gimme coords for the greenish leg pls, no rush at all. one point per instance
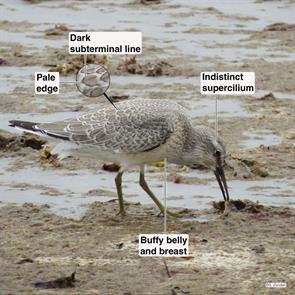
(146, 188)
(118, 181)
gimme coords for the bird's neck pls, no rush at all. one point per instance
(193, 148)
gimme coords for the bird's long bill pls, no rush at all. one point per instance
(219, 173)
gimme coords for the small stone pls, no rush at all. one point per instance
(111, 167)
(120, 245)
(177, 179)
(258, 249)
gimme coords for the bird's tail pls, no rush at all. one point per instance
(36, 128)
(24, 125)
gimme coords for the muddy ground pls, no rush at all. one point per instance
(237, 254)
(233, 255)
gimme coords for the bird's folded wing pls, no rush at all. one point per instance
(115, 131)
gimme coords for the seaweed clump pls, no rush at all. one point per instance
(239, 205)
(15, 143)
(151, 69)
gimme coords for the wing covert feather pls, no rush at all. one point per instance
(132, 128)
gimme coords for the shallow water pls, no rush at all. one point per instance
(66, 193)
(163, 29)
(226, 108)
(260, 137)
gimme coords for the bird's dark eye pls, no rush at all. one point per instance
(217, 153)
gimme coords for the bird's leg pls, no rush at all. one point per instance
(118, 181)
(146, 188)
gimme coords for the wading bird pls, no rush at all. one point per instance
(138, 132)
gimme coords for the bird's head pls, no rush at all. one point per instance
(209, 151)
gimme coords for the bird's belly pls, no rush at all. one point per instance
(95, 153)
(156, 155)
(124, 159)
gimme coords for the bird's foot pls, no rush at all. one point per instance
(121, 212)
(178, 214)
(227, 209)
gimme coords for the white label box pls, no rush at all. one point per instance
(227, 83)
(47, 83)
(165, 245)
(105, 42)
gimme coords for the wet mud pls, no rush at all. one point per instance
(239, 253)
